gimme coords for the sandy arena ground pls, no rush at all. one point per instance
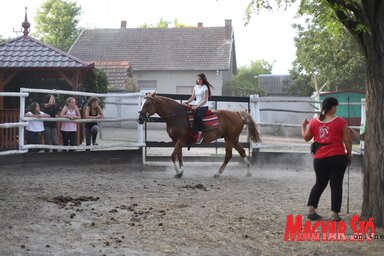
(136, 210)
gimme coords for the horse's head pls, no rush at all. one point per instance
(148, 108)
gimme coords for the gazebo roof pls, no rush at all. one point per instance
(27, 52)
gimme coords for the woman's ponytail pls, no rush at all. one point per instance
(327, 105)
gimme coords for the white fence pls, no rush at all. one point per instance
(131, 102)
(24, 92)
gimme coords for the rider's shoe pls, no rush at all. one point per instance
(199, 138)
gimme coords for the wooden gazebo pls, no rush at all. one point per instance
(28, 62)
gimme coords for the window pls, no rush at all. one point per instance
(147, 85)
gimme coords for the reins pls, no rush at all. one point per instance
(173, 114)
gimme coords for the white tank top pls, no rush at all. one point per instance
(69, 126)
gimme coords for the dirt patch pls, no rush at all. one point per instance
(135, 210)
(64, 200)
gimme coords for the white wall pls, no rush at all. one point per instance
(168, 81)
(114, 109)
(284, 117)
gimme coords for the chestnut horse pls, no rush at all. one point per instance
(178, 128)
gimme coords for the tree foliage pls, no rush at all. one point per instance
(302, 84)
(165, 24)
(2, 39)
(245, 82)
(325, 49)
(57, 23)
(98, 84)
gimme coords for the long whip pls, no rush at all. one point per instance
(348, 164)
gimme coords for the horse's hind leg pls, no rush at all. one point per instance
(228, 156)
(243, 155)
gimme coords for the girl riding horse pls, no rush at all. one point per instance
(201, 91)
(178, 128)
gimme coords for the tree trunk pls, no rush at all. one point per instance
(373, 166)
(368, 14)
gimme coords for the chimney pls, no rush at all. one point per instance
(123, 24)
(200, 24)
(228, 30)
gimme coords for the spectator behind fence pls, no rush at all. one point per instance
(50, 128)
(69, 129)
(92, 111)
(35, 127)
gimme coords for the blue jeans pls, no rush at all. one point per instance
(50, 136)
(33, 138)
(91, 133)
(199, 113)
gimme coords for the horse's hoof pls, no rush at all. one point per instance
(179, 175)
(248, 174)
(217, 175)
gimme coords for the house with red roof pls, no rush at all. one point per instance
(163, 59)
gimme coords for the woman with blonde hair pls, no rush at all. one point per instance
(69, 129)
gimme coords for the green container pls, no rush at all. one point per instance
(353, 111)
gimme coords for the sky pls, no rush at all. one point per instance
(268, 36)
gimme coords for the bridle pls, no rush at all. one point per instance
(147, 117)
(144, 116)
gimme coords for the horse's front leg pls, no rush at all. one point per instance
(228, 156)
(178, 154)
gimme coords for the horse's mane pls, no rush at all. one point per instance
(169, 101)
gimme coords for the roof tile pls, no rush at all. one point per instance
(26, 51)
(157, 49)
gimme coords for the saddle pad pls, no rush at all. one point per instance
(210, 119)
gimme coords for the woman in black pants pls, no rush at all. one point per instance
(331, 157)
(92, 111)
(201, 93)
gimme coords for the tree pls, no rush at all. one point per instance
(97, 84)
(56, 23)
(364, 20)
(2, 39)
(302, 84)
(327, 49)
(245, 81)
(164, 24)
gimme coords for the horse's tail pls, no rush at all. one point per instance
(253, 129)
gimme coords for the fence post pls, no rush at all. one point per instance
(22, 112)
(255, 112)
(140, 138)
(362, 121)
